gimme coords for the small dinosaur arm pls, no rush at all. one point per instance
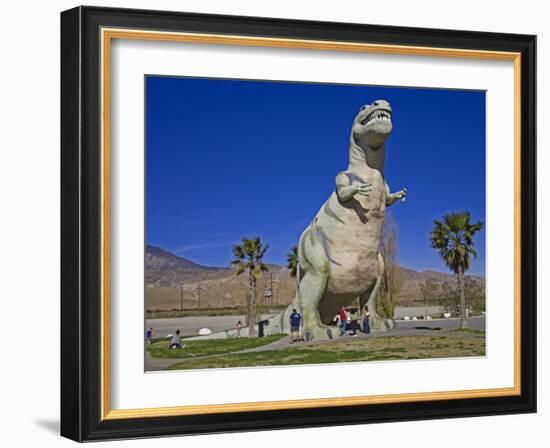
(338, 253)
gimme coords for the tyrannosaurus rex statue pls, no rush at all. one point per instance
(338, 253)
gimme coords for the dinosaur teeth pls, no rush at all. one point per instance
(378, 114)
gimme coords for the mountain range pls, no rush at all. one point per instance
(172, 280)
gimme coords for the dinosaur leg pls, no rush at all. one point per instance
(314, 266)
(312, 288)
(370, 298)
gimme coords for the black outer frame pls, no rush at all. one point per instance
(80, 224)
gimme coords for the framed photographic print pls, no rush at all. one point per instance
(275, 224)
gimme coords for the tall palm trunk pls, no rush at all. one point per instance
(248, 258)
(463, 320)
(252, 309)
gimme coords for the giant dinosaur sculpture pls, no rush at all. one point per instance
(338, 253)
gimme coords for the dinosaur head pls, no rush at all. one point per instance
(372, 125)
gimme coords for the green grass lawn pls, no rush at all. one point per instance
(445, 345)
(207, 347)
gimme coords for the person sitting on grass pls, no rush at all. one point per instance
(354, 324)
(175, 342)
(295, 319)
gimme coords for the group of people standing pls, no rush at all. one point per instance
(348, 321)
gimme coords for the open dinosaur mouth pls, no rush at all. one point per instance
(376, 115)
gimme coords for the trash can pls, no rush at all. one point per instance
(261, 325)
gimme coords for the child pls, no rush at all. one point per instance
(175, 342)
(239, 327)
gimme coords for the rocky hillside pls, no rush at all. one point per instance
(163, 268)
(413, 279)
(171, 280)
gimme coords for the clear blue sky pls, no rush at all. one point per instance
(227, 159)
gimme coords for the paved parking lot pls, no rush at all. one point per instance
(190, 326)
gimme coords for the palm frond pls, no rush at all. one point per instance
(453, 238)
(292, 261)
(248, 257)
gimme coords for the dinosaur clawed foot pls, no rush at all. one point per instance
(318, 333)
(378, 323)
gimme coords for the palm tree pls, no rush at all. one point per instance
(453, 237)
(248, 257)
(292, 261)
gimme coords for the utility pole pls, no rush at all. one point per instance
(181, 299)
(271, 288)
(199, 293)
(426, 307)
(267, 292)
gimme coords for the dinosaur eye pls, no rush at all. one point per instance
(363, 107)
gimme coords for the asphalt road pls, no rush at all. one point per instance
(476, 323)
(190, 326)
